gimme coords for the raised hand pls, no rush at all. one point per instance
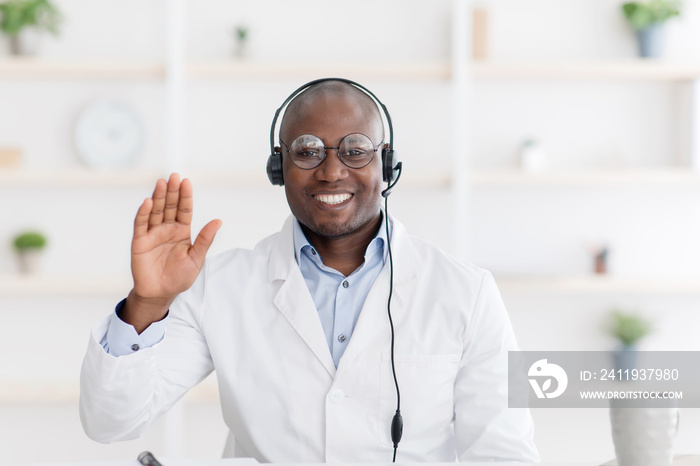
(164, 262)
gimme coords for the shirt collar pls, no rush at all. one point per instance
(303, 247)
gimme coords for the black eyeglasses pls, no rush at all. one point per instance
(354, 150)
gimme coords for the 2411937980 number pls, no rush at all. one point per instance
(639, 374)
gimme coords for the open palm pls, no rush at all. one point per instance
(164, 262)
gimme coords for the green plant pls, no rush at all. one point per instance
(641, 15)
(19, 14)
(241, 33)
(29, 240)
(629, 328)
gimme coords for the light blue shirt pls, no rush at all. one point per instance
(338, 299)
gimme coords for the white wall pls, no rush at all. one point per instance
(513, 230)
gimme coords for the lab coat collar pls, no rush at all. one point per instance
(282, 260)
(295, 303)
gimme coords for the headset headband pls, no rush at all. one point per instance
(301, 89)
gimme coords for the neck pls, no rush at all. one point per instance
(344, 253)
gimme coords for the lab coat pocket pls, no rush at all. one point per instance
(426, 383)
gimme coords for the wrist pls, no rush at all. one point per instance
(142, 312)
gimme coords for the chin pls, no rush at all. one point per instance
(332, 229)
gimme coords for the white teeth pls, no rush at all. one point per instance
(333, 198)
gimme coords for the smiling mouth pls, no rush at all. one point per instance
(332, 199)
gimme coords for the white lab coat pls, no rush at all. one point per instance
(250, 316)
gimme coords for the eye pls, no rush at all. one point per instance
(307, 153)
(354, 153)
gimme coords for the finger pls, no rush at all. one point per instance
(156, 217)
(141, 220)
(184, 206)
(171, 199)
(199, 249)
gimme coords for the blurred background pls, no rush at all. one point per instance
(536, 142)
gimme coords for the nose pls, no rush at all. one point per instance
(331, 168)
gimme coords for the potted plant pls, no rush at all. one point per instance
(647, 20)
(23, 20)
(240, 33)
(28, 246)
(628, 328)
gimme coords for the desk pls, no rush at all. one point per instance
(681, 460)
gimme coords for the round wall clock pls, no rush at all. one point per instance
(109, 134)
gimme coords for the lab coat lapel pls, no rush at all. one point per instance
(293, 298)
(374, 319)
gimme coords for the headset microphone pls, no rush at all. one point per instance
(390, 188)
(391, 172)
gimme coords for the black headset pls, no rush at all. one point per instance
(391, 172)
(391, 166)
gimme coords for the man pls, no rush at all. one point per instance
(297, 329)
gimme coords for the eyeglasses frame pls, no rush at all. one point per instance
(337, 149)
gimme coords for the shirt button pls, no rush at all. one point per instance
(135, 347)
(346, 284)
(341, 338)
(337, 396)
(313, 251)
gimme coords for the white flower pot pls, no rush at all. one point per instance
(26, 43)
(29, 261)
(643, 436)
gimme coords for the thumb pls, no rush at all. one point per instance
(199, 249)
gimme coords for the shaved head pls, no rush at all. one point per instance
(304, 103)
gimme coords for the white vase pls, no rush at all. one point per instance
(29, 261)
(27, 43)
(533, 158)
(643, 436)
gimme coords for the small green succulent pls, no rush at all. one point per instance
(18, 14)
(629, 327)
(29, 240)
(641, 15)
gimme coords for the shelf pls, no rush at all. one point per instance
(79, 69)
(413, 71)
(220, 69)
(642, 70)
(440, 70)
(68, 391)
(40, 285)
(86, 178)
(647, 177)
(77, 178)
(597, 284)
(47, 285)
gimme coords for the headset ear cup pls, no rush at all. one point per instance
(389, 165)
(274, 169)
